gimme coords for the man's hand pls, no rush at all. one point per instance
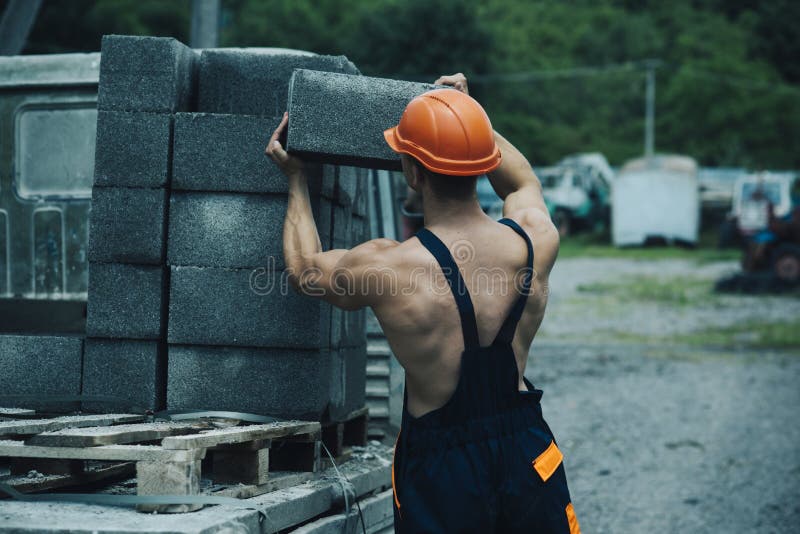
(291, 166)
(458, 81)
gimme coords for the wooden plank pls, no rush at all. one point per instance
(240, 434)
(26, 484)
(36, 426)
(117, 434)
(242, 463)
(18, 413)
(168, 478)
(18, 449)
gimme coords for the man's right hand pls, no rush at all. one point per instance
(458, 81)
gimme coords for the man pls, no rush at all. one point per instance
(460, 304)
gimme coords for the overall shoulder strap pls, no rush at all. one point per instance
(466, 311)
(509, 327)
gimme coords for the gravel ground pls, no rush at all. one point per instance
(667, 438)
(581, 315)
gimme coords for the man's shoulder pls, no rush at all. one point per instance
(543, 234)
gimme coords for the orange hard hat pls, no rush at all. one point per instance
(448, 132)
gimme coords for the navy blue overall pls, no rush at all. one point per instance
(486, 461)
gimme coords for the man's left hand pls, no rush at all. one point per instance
(291, 166)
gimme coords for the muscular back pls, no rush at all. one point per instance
(417, 311)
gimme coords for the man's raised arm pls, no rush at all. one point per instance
(333, 275)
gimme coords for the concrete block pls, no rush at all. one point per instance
(255, 82)
(133, 370)
(243, 307)
(354, 331)
(346, 185)
(40, 365)
(146, 74)
(233, 229)
(278, 382)
(226, 153)
(127, 225)
(125, 301)
(132, 149)
(340, 119)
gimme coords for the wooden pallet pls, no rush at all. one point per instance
(167, 455)
(339, 436)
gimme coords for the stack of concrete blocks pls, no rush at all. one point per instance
(144, 82)
(239, 338)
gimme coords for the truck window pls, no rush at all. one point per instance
(66, 135)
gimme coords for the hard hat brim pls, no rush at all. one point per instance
(467, 168)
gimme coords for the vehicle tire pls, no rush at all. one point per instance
(563, 222)
(786, 263)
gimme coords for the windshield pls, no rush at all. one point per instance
(771, 190)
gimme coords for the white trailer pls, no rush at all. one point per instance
(656, 198)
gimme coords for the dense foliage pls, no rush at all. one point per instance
(556, 76)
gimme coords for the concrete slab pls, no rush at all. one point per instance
(130, 369)
(322, 105)
(348, 387)
(145, 74)
(125, 301)
(215, 152)
(40, 365)
(132, 149)
(279, 382)
(127, 225)
(253, 82)
(243, 307)
(232, 229)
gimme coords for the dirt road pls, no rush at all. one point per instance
(668, 436)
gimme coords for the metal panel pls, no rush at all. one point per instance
(48, 252)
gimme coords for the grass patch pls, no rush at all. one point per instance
(680, 291)
(590, 245)
(774, 335)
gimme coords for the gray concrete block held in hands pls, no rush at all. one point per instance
(256, 82)
(340, 119)
(125, 301)
(146, 74)
(129, 369)
(127, 225)
(132, 149)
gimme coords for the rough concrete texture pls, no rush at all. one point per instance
(278, 382)
(132, 149)
(255, 82)
(243, 307)
(355, 328)
(226, 153)
(127, 225)
(323, 105)
(232, 229)
(125, 301)
(132, 370)
(40, 365)
(145, 74)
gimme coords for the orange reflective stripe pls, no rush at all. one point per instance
(574, 528)
(547, 462)
(394, 487)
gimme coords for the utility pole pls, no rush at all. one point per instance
(650, 107)
(205, 24)
(16, 24)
